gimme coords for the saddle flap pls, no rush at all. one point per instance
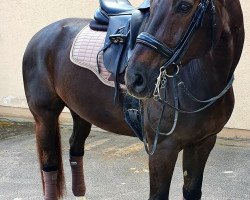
(116, 42)
(135, 25)
(121, 38)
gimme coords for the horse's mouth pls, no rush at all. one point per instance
(141, 95)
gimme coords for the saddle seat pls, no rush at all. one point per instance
(113, 8)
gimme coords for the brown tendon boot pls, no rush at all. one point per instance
(50, 182)
(78, 184)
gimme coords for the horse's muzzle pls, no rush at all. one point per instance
(136, 82)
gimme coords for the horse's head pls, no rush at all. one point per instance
(176, 32)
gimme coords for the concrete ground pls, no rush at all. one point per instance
(116, 167)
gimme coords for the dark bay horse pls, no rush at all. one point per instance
(52, 82)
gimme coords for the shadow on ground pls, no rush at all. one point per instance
(115, 167)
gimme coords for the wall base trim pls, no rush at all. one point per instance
(24, 115)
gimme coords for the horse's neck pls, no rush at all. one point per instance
(228, 50)
(213, 71)
(208, 75)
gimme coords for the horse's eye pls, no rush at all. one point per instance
(183, 7)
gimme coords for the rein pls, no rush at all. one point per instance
(174, 58)
(178, 84)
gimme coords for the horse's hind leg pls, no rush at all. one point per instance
(49, 145)
(81, 130)
(194, 161)
(46, 107)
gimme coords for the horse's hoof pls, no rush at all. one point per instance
(81, 198)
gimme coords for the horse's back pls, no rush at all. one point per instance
(53, 37)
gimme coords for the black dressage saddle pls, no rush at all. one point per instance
(123, 23)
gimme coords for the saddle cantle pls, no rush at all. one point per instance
(112, 8)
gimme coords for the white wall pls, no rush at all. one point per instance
(21, 19)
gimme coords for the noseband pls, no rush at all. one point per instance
(174, 57)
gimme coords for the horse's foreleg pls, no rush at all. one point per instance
(194, 161)
(81, 130)
(161, 167)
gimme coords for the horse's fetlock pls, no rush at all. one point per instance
(78, 183)
(50, 184)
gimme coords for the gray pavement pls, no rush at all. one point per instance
(116, 167)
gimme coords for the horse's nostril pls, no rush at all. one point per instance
(138, 83)
(138, 80)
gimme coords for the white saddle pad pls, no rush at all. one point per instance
(84, 53)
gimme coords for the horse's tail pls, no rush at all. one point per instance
(60, 174)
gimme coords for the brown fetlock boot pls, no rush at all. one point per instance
(50, 183)
(78, 184)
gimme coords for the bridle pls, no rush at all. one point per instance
(174, 57)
